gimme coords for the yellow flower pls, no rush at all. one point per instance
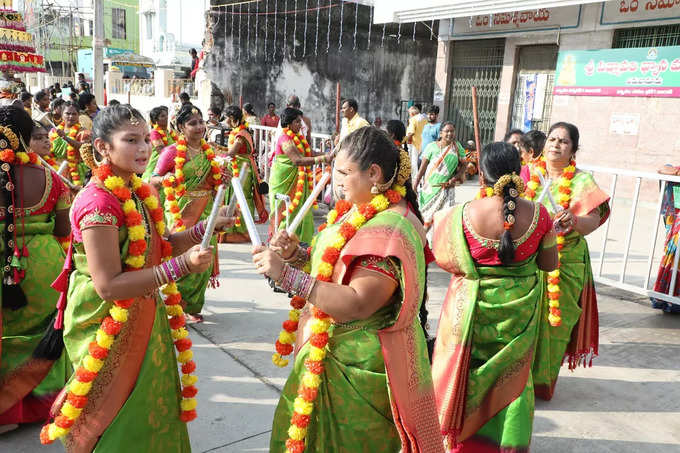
(380, 202)
(23, 157)
(80, 388)
(357, 219)
(70, 411)
(170, 289)
(294, 315)
(179, 161)
(297, 433)
(185, 356)
(311, 380)
(338, 242)
(92, 364)
(136, 182)
(317, 353)
(564, 182)
(332, 216)
(278, 360)
(555, 273)
(533, 185)
(554, 303)
(180, 229)
(553, 288)
(135, 261)
(320, 325)
(174, 310)
(560, 239)
(401, 190)
(302, 407)
(178, 334)
(55, 432)
(136, 232)
(151, 202)
(325, 269)
(114, 181)
(286, 337)
(119, 314)
(104, 339)
(129, 206)
(160, 227)
(188, 379)
(188, 404)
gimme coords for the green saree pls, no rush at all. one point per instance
(485, 345)
(28, 385)
(283, 180)
(376, 391)
(576, 339)
(134, 403)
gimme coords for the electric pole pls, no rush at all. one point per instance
(97, 51)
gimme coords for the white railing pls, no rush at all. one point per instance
(139, 87)
(642, 234)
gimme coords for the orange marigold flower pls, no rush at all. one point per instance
(166, 248)
(555, 311)
(393, 196)
(318, 313)
(187, 416)
(137, 247)
(347, 230)
(183, 344)
(300, 420)
(122, 193)
(342, 206)
(323, 278)
(111, 326)
(283, 349)
(44, 431)
(176, 322)
(368, 210)
(294, 446)
(554, 296)
(63, 421)
(322, 227)
(308, 394)
(144, 191)
(97, 351)
(331, 255)
(133, 218)
(173, 299)
(297, 302)
(76, 401)
(319, 340)
(188, 368)
(189, 391)
(290, 326)
(314, 366)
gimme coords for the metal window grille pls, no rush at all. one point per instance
(119, 28)
(479, 64)
(659, 36)
(534, 60)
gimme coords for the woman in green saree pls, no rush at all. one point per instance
(361, 381)
(441, 171)
(582, 210)
(161, 136)
(197, 167)
(126, 372)
(291, 175)
(481, 367)
(32, 213)
(240, 151)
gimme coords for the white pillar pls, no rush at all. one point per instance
(97, 54)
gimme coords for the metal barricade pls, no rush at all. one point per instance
(634, 229)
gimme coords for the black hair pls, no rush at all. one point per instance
(215, 109)
(433, 109)
(192, 51)
(37, 127)
(352, 103)
(21, 124)
(56, 103)
(447, 123)
(41, 95)
(25, 96)
(234, 111)
(68, 104)
(186, 112)
(512, 132)
(289, 115)
(419, 107)
(271, 103)
(112, 118)
(184, 97)
(293, 101)
(533, 140)
(574, 134)
(397, 129)
(84, 100)
(114, 102)
(369, 145)
(499, 159)
(156, 112)
(249, 109)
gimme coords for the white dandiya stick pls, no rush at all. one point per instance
(308, 204)
(247, 216)
(546, 185)
(212, 220)
(231, 207)
(58, 172)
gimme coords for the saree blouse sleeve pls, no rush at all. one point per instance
(587, 197)
(154, 135)
(385, 266)
(62, 193)
(95, 207)
(166, 162)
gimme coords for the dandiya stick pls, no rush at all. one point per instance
(231, 207)
(212, 220)
(478, 144)
(58, 172)
(247, 216)
(308, 203)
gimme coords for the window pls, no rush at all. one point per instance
(149, 26)
(118, 23)
(659, 36)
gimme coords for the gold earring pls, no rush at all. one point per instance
(375, 190)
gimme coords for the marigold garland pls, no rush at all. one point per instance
(19, 157)
(235, 170)
(71, 154)
(304, 173)
(484, 192)
(563, 199)
(311, 379)
(174, 187)
(87, 372)
(164, 135)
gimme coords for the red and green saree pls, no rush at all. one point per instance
(376, 392)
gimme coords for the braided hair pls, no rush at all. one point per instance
(499, 159)
(21, 124)
(369, 145)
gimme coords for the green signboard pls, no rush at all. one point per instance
(640, 72)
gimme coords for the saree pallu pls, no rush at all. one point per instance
(134, 403)
(671, 220)
(254, 199)
(485, 345)
(283, 180)
(58, 148)
(442, 167)
(376, 392)
(576, 340)
(155, 154)
(29, 385)
(195, 206)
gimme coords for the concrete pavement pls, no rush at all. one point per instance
(629, 401)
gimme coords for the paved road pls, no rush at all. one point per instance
(629, 401)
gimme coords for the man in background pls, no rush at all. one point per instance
(432, 127)
(270, 119)
(351, 121)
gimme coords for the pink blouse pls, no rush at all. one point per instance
(93, 207)
(166, 161)
(484, 250)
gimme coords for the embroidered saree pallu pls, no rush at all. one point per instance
(485, 345)
(376, 388)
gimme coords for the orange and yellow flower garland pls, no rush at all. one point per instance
(563, 199)
(311, 379)
(484, 192)
(304, 173)
(71, 154)
(87, 372)
(19, 157)
(235, 170)
(174, 187)
(164, 135)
